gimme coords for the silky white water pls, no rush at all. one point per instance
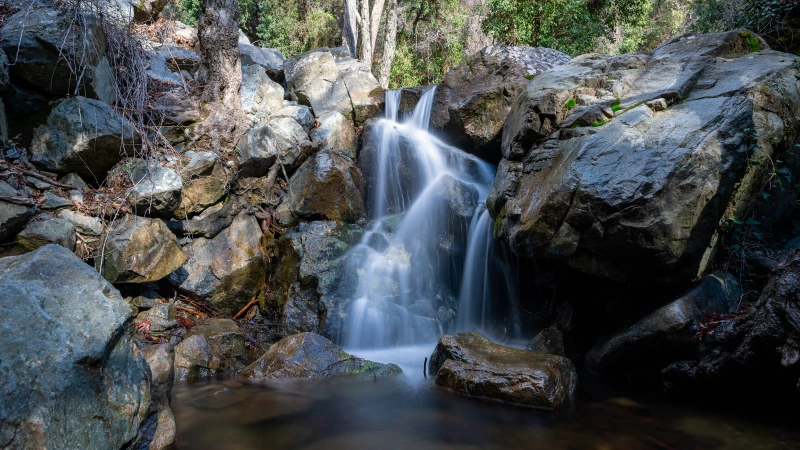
(428, 264)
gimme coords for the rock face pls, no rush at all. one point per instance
(92, 386)
(668, 333)
(309, 280)
(156, 189)
(759, 346)
(214, 346)
(470, 364)
(140, 250)
(592, 175)
(474, 99)
(262, 146)
(38, 38)
(326, 187)
(84, 136)
(309, 355)
(228, 270)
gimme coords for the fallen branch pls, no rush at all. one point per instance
(246, 307)
(37, 175)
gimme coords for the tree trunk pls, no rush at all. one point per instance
(350, 26)
(220, 72)
(375, 21)
(366, 34)
(389, 44)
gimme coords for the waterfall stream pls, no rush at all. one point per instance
(429, 264)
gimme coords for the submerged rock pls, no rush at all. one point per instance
(601, 191)
(472, 365)
(309, 355)
(80, 384)
(211, 347)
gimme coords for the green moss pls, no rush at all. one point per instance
(616, 107)
(529, 76)
(755, 45)
(570, 103)
(599, 124)
(498, 222)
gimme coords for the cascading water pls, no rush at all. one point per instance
(428, 265)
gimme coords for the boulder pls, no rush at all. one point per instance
(52, 201)
(269, 58)
(260, 95)
(82, 384)
(326, 187)
(86, 225)
(177, 108)
(47, 230)
(156, 189)
(159, 431)
(261, 147)
(13, 217)
(41, 38)
(159, 70)
(205, 182)
(147, 10)
(178, 58)
(365, 92)
(474, 98)
(549, 340)
(668, 333)
(84, 136)
(228, 270)
(314, 80)
(601, 196)
(300, 113)
(335, 134)
(139, 250)
(472, 365)
(160, 317)
(309, 355)
(211, 347)
(309, 281)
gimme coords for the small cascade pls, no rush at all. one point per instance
(428, 264)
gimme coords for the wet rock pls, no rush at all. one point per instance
(550, 340)
(309, 355)
(326, 187)
(39, 39)
(460, 199)
(269, 58)
(474, 99)
(86, 225)
(364, 90)
(47, 230)
(335, 134)
(668, 333)
(13, 217)
(262, 146)
(82, 384)
(472, 365)
(228, 270)
(627, 170)
(300, 113)
(211, 347)
(260, 95)
(139, 250)
(314, 80)
(156, 189)
(84, 136)
(309, 280)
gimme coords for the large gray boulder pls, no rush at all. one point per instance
(228, 270)
(45, 46)
(269, 58)
(300, 113)
(13, 216)
(365, 92)
(260, 95)
(211, 347)
(667, 333)
(335, 134)
(309, 355)
(598, 174)
(314, 80)
(82, 384)
(472, 365)
(309, 280)
(139, 250)
(47, 230)
(156, 189)
(281, 138)
(326, 187)
(84, 136)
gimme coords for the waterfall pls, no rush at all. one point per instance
(429, 263)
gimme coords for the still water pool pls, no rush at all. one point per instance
(409, 412)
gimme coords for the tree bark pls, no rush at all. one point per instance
(350, 27)
(389, 44)
(366, 35)
(375, 21)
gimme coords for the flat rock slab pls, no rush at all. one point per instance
(472, 365)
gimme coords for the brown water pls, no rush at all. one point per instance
(409, 412)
